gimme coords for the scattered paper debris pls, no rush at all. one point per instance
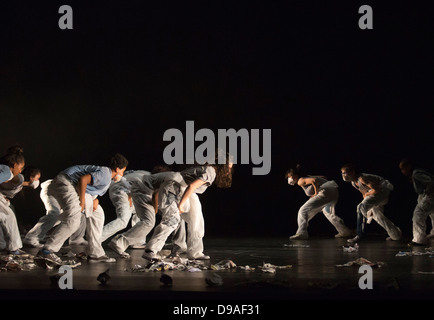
(362, 261)
(270, 268)
(290, 245)
(354, 248)
(178, 263)
(427, 252)
(224, 264)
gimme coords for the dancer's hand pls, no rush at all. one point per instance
(95, 204)
(82, 205)
(180, 208)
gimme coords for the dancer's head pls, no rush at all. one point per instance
(224, 167)
(32, 175)
(350, 172)
(406, 167)
(14, 159)
(118, 163)
(293, 174)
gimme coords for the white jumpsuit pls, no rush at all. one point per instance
(170, 194)
(373, 206)
(423, 183)
(119, 193)
(63, 189)
(9, 232)
(10, 237)
(141, 194)
(37, 234)
(324, 201)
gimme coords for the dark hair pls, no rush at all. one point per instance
(15, 149)
(30, 171)
(351, 167)
(118, 161)
(223, 177)
(294, 171)
(406, 162)
(14, 155)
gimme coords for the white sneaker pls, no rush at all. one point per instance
(50, 256)
(200, 257)
(113, 245)
(150, 256)
(101, 259)
(298, 237)
(353, 240)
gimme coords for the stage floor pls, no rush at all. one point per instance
(310, 273)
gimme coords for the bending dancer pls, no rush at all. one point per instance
(29, 179)
(69, 188)
(120, 196)
(143, 194)
(11, 165)
(323, 195)
(423, 183)
(37, 234)
(375, 191)
(174, 203)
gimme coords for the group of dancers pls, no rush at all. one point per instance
(73, 211)
(323, 195)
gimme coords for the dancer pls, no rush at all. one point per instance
(143, 194)
(375, 191)
(423, 183)
(323, 195)
(174, 203)
(120, 196)
(11, 165)
(69, 188)
(29, 178)
(37, 234)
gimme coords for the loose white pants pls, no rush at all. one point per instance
(169, 197)
(51, 219)
(64, 192)
(324, 201)
(10, 233)
(374, 206)
(94, 226)
(145, 211)
(423, 209)
(124, 212)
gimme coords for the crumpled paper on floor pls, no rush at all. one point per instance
(354, 248)
(11, 262)
(271, 268)
(362, 261)
(177, 263)
(296, 245)
(29, 262)
(427, 252)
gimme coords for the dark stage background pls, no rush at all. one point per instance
(330, 92)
